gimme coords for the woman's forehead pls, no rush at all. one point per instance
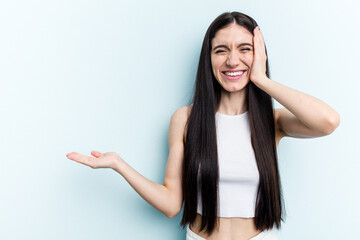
(233, 33)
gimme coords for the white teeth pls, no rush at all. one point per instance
(234, 73)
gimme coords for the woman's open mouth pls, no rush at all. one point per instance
(233, 75)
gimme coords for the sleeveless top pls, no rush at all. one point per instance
(238, 172)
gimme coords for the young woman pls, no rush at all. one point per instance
(222, 148)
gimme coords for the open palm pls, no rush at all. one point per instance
(100, 160)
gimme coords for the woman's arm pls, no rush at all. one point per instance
(303, 115)
(167, 198)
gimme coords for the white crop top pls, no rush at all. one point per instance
(238, 172)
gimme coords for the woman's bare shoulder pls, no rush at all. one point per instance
(180, 118)
(181, 115)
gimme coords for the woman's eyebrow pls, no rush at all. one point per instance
(240, 45)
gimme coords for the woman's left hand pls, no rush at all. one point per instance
(258, 68)
(100, 160)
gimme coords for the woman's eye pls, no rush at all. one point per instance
(247, 49)
(219, 51)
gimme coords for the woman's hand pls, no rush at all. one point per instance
(258, 68)
(100, 160)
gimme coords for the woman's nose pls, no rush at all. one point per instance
(233, 60)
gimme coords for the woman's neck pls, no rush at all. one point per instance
(232, 103)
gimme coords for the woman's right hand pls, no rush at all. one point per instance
(100, 160)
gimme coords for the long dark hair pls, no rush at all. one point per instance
(200, 142)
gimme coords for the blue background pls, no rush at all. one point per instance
(107, 76)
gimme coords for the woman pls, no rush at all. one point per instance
(222, 148)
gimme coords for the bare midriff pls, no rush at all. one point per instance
(236, 228)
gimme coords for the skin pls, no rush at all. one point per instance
(302, 116)
(226, 55)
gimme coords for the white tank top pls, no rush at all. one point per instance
(238, 172)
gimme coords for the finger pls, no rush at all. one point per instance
(256, 39)
(260, 35)
(97, 154)
(262, 42)
(80, 158)
(257, 48)
(254, 42)
(260, 46)
(255, 29)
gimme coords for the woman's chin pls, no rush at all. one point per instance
(233, 89)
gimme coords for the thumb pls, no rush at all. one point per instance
(97, 154)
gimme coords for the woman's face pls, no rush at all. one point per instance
(232, 57)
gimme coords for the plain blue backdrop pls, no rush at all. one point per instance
(107, 76)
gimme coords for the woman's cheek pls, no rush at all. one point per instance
(249, 59)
